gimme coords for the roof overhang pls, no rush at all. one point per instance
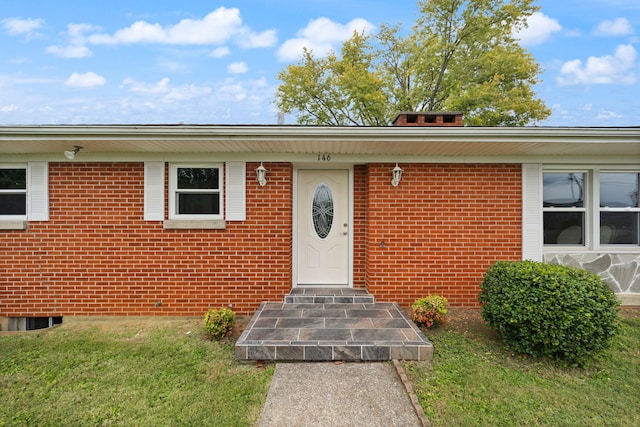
(496, 142)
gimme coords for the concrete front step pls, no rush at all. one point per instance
(308, 295)
(332, 331)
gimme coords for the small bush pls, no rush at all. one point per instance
(219, 323)
(549, 310)
(429, 311)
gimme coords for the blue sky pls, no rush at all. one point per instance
(88, 62)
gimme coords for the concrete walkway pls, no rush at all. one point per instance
(340, 394)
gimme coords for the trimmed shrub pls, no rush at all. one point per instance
(429, 311)
(549, 310)
(218, 324)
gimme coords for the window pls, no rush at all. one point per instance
(591, 208)
(13, 192)
(619, 209)
(564, 211)
(322, 210)
(196, 192)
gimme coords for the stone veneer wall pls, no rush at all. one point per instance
(621, 271)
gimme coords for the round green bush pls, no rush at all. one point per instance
(549, 310)
(218, 324)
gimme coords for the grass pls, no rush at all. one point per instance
(474, 381)
(154, 374)
(162, 373)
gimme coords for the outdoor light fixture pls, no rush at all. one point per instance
(261, 175)
(397, 174)
(72, 153)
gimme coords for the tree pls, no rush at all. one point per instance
(335, 91)
(459, 56)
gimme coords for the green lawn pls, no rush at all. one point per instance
(474, 381)
(162, 373)
(158, 373)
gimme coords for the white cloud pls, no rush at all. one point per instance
(255, 40)
(617, 27)
(325, 30)
(147, 88)
(8, 108)
(18, 26)
(608, 115)
(11, 81)
(89, 79)
(77, 42)
(539, 29)
(237, 68)
(173, 67)
(321, 36)
(292, 49)
(71, 51)
(231, 90)
(217, 27)
(166, 92)
(220, 52)
(186, 92)
(77, 31)
(608, 69)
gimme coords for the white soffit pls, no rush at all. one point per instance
(406, 141)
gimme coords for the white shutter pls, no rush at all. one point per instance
(153, 191)
(235, 191)
(38, 191)
(532, 234)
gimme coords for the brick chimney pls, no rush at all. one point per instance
(429, 118)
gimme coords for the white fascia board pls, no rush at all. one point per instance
(283, 142)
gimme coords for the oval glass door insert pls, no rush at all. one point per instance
(322, 210)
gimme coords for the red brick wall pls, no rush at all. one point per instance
(97, 255)
(359, 225)
(439, 230)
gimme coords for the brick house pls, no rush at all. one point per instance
(174, 219)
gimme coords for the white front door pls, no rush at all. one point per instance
(323, 227)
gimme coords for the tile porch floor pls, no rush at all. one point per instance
(318, 324)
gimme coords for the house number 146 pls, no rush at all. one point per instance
(324, 157)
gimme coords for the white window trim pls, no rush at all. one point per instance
(592, 215)
(585, 209)
(173, 183)
(15, 220)
(598, 209)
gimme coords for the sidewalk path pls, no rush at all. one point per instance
(330, 394)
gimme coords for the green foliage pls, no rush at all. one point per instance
(128, 372)
(218, 324)
(335, 91)
(459, 56)
(549, 310)
(429, 311)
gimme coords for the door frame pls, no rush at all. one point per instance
(350, 193)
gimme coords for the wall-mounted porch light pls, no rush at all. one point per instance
(396, 175)
(71, 154)
(261, 175)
